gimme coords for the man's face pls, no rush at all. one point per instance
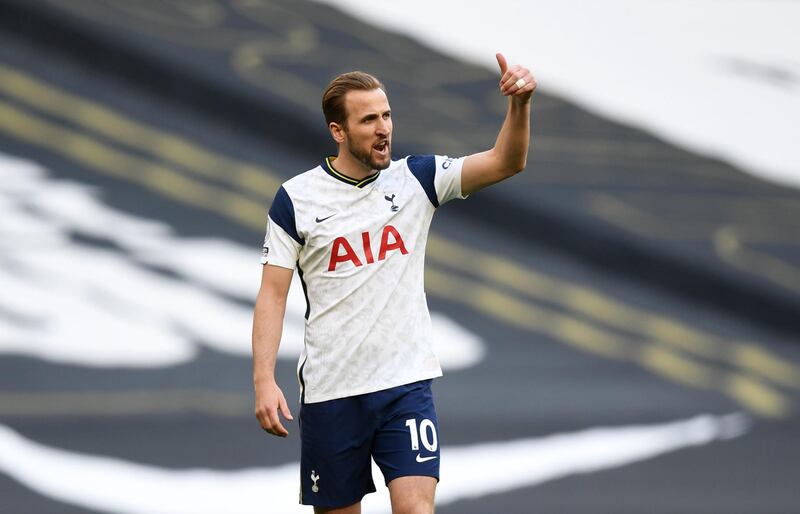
(368, 128)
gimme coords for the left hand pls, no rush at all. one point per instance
(509, 78)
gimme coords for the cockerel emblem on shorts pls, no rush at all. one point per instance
(314, 477)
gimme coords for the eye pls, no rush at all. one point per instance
(387, 115)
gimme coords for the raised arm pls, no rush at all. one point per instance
(510, 151)
(267, 328)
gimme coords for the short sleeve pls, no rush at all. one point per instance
(448, 178)
(439, 176)
(279, 248)
(282, 242)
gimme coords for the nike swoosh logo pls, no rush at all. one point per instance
(425, 459)
(320, 220)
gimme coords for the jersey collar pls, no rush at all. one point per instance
(327, 165)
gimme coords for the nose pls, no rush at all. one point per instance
(383, 128)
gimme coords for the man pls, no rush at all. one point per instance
(355, 228)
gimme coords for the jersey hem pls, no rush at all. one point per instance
(367, 390)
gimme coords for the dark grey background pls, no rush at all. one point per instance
(530, 383)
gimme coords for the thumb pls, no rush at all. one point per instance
(501, 60)
(284, 407)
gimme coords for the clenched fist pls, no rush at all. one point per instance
(516, 81)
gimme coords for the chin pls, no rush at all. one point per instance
(382, 164)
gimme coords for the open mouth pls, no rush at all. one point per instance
(382, 148)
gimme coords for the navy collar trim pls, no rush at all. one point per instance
(327, 165)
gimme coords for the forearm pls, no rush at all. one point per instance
(267, 331)
(510, 151)
(511, 147)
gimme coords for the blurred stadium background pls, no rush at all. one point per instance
(618, 324)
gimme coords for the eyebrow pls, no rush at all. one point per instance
(372, 116)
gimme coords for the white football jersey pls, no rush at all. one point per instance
(359, 248)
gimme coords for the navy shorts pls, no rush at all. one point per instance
(397, 427)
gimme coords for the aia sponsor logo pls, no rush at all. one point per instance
(342, 251)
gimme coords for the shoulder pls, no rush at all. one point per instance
(424, 167)
(301, 181)
(439, 176)
(302, 190)
(290, 198)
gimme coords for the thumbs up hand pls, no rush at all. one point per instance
(516, 81)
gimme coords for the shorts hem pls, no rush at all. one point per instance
(409, 474)
(338, 505)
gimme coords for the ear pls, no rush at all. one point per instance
(337, 132)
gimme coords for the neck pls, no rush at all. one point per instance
(347, 164)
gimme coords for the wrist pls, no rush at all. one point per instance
(263, 379)
(519, 101)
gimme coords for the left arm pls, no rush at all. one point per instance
(510, 151)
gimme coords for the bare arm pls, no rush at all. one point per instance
(510, 151)
(267, 328)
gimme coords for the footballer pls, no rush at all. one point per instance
(355, 228)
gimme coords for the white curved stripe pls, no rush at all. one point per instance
(68, 300)
(681, 69)
(115, 485)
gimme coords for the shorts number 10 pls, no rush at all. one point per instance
(426, 432)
